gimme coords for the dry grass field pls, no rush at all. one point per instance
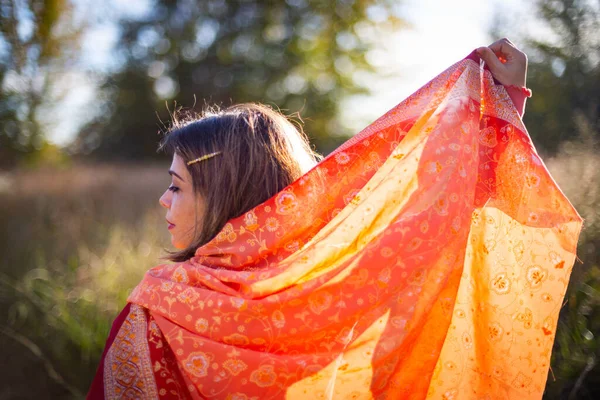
(74, 243)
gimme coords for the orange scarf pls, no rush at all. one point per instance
(427, 257)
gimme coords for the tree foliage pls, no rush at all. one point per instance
(39, 39)
(564, 71)
(298, 55)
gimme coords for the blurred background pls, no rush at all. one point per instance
(87, 87)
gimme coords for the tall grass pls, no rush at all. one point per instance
(75, 242)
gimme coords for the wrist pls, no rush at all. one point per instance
(518, 95)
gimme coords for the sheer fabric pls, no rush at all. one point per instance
(427, 257)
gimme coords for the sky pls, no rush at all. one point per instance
(440, 33)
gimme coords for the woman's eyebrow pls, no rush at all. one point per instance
(171, 172)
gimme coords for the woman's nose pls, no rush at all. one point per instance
(163, 200)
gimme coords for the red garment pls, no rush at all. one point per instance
(166, 372)
(427, 257)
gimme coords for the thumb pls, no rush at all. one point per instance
(490, 59)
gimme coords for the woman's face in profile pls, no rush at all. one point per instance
(181, 202)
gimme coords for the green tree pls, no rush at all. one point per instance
(564, 71)
(300, 55)
(39, 39)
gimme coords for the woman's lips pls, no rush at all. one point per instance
(171, 226)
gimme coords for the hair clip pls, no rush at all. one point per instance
(205, 157)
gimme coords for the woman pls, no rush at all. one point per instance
(426, 257)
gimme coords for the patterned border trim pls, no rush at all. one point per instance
(128, 368)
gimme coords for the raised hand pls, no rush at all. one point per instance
(507, 63)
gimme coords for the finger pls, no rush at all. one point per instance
(502, 46)
(506, 48)
(500, 42)
(506, 40)
(490, 59)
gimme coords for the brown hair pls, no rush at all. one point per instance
(262, 152)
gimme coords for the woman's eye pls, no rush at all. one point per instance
(173, 189)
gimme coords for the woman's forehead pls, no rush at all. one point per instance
(178, 168)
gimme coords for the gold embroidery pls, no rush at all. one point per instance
(127, 368)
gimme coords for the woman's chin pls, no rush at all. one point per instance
(177, 244)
